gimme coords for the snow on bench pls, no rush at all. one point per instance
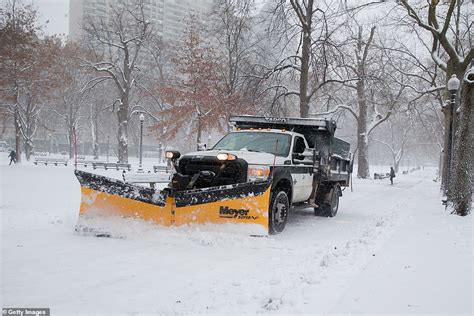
(85, 163)
(53, 161)
(150, 178)
(111, 165)
(381, 175)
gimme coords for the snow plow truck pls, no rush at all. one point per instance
(252, 176)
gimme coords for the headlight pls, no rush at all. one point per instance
(258, 173)
(172, 154)
(225, 156)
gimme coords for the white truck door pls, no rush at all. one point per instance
(302, 180)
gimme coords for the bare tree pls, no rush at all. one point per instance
(376, 95)
(294, 23)
(399, 134)
(17, 35)
(231, 26)
(446, 50)
(306, 30)
(25, 62)
(461, 187)
(119, 43)
(197, 95)
(364, 127)
(70, 97)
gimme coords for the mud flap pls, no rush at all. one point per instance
(103, 198)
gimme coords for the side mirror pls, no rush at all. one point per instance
(297, 156)
(201, 146)
(302, 159)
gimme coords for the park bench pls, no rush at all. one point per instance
(164, 169)
(111, 165)
(149, 178)
(85, 163)
(53, 161)
(379, 176)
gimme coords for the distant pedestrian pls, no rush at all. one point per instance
(12, 157)
(392, 175)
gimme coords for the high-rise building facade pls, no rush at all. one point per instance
(168, 17)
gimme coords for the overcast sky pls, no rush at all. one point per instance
(56, 12)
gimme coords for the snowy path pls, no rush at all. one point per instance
(426, 267)
(387, 244)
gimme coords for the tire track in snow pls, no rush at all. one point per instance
(317, 263)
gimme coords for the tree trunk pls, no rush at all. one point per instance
(199, 130)
(122, 116)
(95, 132)
(69, 129)
(457, 69)
(70, 136)
(17, 135)
(362, 134)
(28, 148)
(396, 165)
(305, 56)
(70, 139)
(446, 147)
(363, 153)
(462, 180)
(304, 75)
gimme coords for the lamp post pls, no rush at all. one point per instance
(160, 152)
(50, 143)
(453, 87)
(141, 118)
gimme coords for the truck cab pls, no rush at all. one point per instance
(266, 150)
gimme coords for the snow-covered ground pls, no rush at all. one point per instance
(390, 249)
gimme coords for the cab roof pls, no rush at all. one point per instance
(264, 130)
(299, 125)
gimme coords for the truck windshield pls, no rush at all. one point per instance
(256, 141)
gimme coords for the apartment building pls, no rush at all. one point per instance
(167, 16)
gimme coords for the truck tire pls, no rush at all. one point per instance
(334, 206)
(278, 213)
(329, 209)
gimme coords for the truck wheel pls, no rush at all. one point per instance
(278, 214)
(334, 206)
(329, 209)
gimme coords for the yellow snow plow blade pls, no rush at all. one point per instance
(97, 203)
(244, 204)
